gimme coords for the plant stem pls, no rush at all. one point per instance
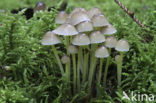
(119, 69)
(100, 70)
(78, 68)
(58, 59)
(106, 68)
(74, 72)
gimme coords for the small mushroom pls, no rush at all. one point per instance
(81, 39)
(72, 49)
(122, 46)
(79, 17)
(78, 10)
(66, 30)
(108, 30)
(61, 17)
(99, 21)
(94, 11)
(96, 37)
(101, 52)
(84, 26)
(65, 59)
(50, 38)
(110, 42)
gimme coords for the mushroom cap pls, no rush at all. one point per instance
(66, 30)
(40, 6)
(61, 17)
(78, 10)
(50, 38)
(122, 46)
(117, 58)
(72, 49)
(108, 30)
(110, 42)
(84, 26)
(101, 52)
(99, 21)
(96, 37)
(65, 59)
(94, 11)
(78, 17)
(81, 39)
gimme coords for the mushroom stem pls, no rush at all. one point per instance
(67, 73)
(119, 68)
(106, 68)
(67, 43)
(100, 71)
(92, 65)
(74, 71)
(58, 59)
(85, 66)
(78, 68)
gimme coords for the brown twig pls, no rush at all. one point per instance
(131, 14)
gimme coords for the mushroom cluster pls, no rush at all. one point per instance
(87, 36)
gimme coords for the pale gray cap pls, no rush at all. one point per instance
(108, 30)
(117, 58)
(94, 11)
(97, 37)
(66, 30)
(99, 21)
(65, 59)
(72, 49)
(81, 39)
(61, 17)
(78, 10)
(50, 38)
(78, 17)
(101, 52)
(84, 26)
(110, 42)
(122, 46)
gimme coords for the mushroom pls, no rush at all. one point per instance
(121, 46)
(80, 40)
(66, 30)
(73, 50)
(78, 17)
(108, 30)
(109, 43)
(51, 38)
(101, 53)
(85, 26)
(61, 17)
(66, 60)
(40, 6)
(96, 37)
(94, 11)
(78, 10)
(99, 21)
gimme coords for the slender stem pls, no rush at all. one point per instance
(106, 68)
(92, 65)
(74, 71)
(67, 72)
(119, 69)
(78, 68)
(58, 59)
(67, 43)
(85, 67)
(100, 70)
